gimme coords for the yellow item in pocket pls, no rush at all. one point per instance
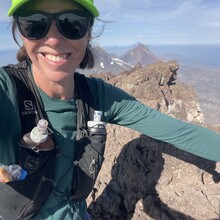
(4, 175)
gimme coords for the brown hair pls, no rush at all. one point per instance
(87, 62)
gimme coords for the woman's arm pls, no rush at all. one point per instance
(123, 109)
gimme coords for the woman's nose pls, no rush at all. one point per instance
(53, 34)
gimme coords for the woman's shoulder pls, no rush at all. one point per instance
(94, 80)
(7, 72)
(3, 73)
(99, 84)
(104, 87)
(7, 85)
(5, 78)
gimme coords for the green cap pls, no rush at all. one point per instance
(87, 4)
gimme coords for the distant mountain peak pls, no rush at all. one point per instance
(141, 45)
(105, 62)
(141, 48)
(139, 54)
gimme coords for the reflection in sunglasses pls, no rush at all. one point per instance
(35, 25)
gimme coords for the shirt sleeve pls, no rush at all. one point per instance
(122, 109)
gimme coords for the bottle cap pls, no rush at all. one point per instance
(42, 124)
(39, 133)
(97, 115)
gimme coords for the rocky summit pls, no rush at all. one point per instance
(143, 178)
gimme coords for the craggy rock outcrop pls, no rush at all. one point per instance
(143, 178)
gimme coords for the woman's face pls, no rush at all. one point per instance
(55, 57)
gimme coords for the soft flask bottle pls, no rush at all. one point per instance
(97, 127)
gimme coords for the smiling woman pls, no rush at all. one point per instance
(44, 83)
(50, 58)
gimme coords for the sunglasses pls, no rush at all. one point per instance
(35, 25)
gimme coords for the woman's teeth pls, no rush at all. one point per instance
(56, 58)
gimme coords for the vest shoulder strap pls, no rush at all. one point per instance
(30, 103)
(84, 103)
(29, 100)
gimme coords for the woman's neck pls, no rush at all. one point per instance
(60, 90)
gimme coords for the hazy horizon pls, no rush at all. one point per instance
(198, 55)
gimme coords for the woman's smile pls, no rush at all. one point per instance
(58, 57)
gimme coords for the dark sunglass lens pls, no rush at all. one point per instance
(72, 26)
(33, 26)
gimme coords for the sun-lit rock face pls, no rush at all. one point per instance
(143, 178)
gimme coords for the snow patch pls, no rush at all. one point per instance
(121, 63)
(102, 65)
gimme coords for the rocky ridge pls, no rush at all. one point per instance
(143, 178)
(105, 63)
(110, 63)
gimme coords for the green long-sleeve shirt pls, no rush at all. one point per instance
(118, 108)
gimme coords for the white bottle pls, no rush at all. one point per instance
(39, 133)
(96, 120)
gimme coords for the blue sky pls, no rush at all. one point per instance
(146, 21)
